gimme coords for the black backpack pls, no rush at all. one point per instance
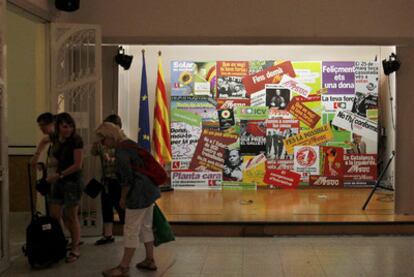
(45, 241)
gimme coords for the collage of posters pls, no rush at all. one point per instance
(274, 124)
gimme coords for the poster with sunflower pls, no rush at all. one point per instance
(182, 83)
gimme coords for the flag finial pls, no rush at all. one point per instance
(143, 51)
(159, 53)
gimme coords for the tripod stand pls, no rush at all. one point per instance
(377, 183)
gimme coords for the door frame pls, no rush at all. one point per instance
(4, 167)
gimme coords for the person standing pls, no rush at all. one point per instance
(269, 143)
(66, 183)
(46, 123)
(111, 193)
(358, 146)
(138, 196)
(233, 170)
(277, 101)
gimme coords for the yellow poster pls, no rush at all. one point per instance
(254, 169)
(315, 136)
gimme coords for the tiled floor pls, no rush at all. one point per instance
(258, 257)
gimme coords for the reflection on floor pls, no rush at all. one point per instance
(275, 256)
(302, 205)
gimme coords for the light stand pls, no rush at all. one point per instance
(377, 183)
(389, 66)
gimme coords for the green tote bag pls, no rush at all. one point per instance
(162, 230)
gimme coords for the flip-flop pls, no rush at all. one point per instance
(72, 257)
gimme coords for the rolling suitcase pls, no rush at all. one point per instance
(45, 241)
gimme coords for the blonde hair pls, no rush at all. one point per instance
(110, 130)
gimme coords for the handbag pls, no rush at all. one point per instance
(162, 230)
(93, 188)
(42, 186)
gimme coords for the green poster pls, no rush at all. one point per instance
(238, 186)
(340, 136)
(251, 113)
(309, 73)
(191, 119)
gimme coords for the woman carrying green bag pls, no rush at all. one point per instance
(138, 196)
(162, 229)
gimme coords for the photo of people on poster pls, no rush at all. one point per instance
(363, 102)
(230, 87)
(277, 98)
(275, 149)
(233, 162)
(358, 145)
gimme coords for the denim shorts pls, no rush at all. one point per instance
(66, 192)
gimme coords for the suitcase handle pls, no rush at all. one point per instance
(29, 171)
(44, 175)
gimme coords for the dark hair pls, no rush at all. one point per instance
(115, 119)
(227, 152)
(64, 118)
(46, 118)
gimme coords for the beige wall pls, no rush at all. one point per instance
(43, 9)
(25, 79)
(247, 21)
(109, 81)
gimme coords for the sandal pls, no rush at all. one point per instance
(147, 264)
(72, 257)
(118, 271)
(69, 245)
(105, 240)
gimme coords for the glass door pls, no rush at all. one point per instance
(76, 89)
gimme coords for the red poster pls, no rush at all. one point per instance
(360, 166)
(209, 153)
(310, 98)
(255, 128)
(232, 68)
(325, 181)
(333, 161)
(271, 75)
(303, 113)
(279, 164)
(224, 103)
(282, 178)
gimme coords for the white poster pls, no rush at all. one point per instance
(258, 98)
(196, 179)
(184, 139)
(337, 102)
(306, 161)
(295, 86)
(356, 124)
(366, 77)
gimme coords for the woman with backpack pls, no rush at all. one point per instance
(138, 196)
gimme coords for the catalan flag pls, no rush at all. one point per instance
(143, 125)
(161, 131)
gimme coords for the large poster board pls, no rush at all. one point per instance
(274, 124)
